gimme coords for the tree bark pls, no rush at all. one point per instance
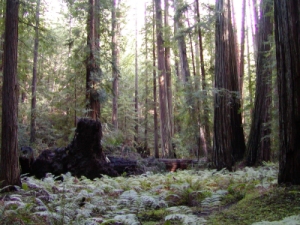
(34, 75)
(259, 145)
(206, 121)
(242, 59)
(229, 143)
(9, 167)
(287, 29)
(136, 86)
(115, 61)
(180, 36)
(92, 68)
(168, 68)
(163, 101)
(156, 149)
(146, 82)
(254, 23)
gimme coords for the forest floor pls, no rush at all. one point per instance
(202, 196)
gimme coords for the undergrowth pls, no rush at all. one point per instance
(185, 197)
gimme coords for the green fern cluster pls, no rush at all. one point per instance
(184, 197)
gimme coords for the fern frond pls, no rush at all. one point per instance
(291, 220)
(129, 219)
(186, 219)
(179, 210)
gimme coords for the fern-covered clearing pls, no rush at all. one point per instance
(205, 196)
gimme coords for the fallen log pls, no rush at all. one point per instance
(123, 165)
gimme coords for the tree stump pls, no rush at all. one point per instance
(82, 157)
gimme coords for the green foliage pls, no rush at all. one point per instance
(184, 197)
(291, 220)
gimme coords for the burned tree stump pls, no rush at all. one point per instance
(26, 159)
(82, 157)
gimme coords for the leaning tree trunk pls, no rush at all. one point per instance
(228, 144)
(259, 144)
(287, 29)
(9, 166)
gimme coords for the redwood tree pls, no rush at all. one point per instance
(115, 26)
(92, 64)
(259, 145)
(228, 143)
(287, 29)
(163, 100)
(9, 167)
(34, 74)
(155, 117)
(203, 78)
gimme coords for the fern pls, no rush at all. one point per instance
(184, 215)
(291, 220)
(128, 219)
(186, 219)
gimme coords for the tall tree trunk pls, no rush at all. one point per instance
(156, 149)
(254, 23)
(259, 145)
(206, 121)
(34, 75)
(180, 36)
(250, 82)
(199, 137)
(163, 100)
(186, 75)
(92, 68)
(287, 29)
(146, 83)
(242, 59)
(9, 166)
(229, 143)
(136, 82)
(168, 68)
(115, 61)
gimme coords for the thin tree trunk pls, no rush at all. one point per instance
(163, 101)
(156, 149)
(146, 84)
(185, 71)
(200, 138)
(34, 75)
(250, 83)
(136, 82)
(242, 59)
(168, 68)
(287, 40)
(115, 62)
(206, 121)
(254, 23)
(9, 166)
